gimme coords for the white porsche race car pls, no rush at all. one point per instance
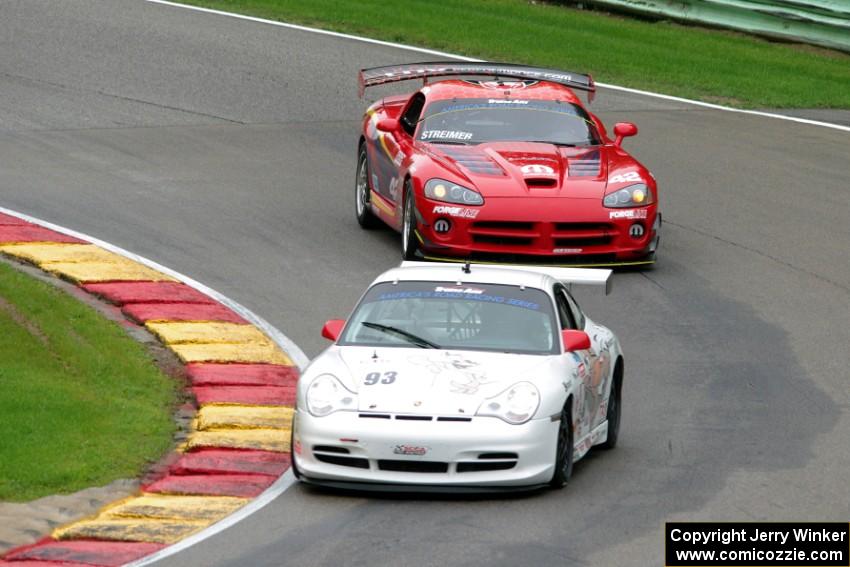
(450, 376)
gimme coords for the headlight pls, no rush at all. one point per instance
(326, 395)
(515, 405)
(637, 195)
(446, 191)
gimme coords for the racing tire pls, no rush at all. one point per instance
(295, 472)
(615, 409)
(362, 207)
(564, 449)
(409, 240)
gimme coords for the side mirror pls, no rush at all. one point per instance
(575, 340)
(387, 125)
(624, 130)
(333, 329)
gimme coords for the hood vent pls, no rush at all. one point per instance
(473, 160)
(540, 182)
(586, 165)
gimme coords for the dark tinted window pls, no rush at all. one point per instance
(411, 115)
(578, 316)
(565, 313)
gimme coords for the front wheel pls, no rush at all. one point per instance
(564, 449)
(409, 239)
(362, 207)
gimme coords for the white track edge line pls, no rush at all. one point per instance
(284, 342)
(470, 59)
(281, 484)
(272, 492)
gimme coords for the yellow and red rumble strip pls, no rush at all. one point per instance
(243, 382)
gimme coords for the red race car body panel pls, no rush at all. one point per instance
(527, 197)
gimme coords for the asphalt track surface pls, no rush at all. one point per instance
(226, 149)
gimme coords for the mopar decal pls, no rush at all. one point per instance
(636, 230)
(442, 226)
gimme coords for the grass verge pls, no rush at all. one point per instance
(710, 65)
(82, 403)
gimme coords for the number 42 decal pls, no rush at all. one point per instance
(375, 378)
(623, 177)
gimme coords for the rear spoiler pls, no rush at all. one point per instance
(394, 73)
(579, 276)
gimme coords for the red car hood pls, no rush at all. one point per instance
(513, 169)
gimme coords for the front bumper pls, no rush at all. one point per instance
(544, 231)
(344, 448)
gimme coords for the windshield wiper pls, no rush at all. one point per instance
(447, 142)
(561, 144)
(411, 338)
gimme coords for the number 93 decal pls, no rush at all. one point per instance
(374, 378)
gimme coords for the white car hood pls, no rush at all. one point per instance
(433, 382)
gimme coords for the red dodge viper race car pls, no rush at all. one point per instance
(508, 167)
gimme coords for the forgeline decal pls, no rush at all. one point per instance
(624, 177)
(398, 159)
(445, 135)
(459, 212)
(537, 169)
(628, 214)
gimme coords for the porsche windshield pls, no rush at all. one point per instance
(476, 120)
(476, 316)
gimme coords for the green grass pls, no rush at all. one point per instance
(81, 403)
(710, 65)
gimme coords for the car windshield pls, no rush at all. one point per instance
(488, 317)
(476, 120)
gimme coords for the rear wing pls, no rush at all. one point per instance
(579, 276)
(394, 73)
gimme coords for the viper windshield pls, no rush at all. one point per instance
(476, 120)
(487, 317)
